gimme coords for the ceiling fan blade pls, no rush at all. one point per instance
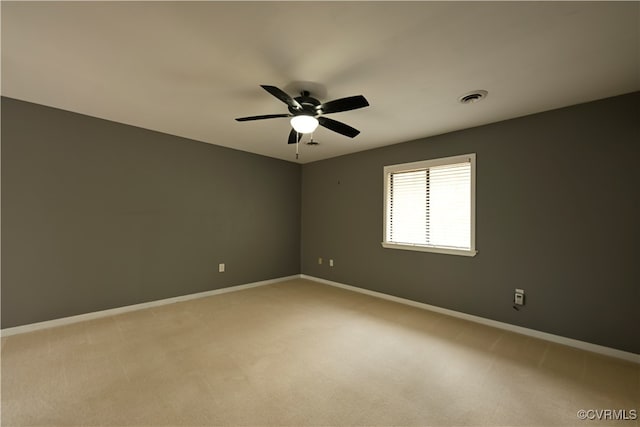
(343, 104)
(282, 96)
(294, 137)
(339, 127)
(265, 116)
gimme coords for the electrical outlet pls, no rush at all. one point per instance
(518, 297)
(320, 260)
(221, 268)
(330, 263)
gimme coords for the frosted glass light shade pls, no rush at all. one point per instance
(304, 124)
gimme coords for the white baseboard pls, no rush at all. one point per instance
(607, 351)
(118, 310)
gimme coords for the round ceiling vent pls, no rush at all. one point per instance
(474, 96)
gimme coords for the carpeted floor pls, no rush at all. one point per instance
(300, 353)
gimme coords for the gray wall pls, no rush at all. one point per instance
(97, 215)
(557, 214)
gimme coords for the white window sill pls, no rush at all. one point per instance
(420, 248)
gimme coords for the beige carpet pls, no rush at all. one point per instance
(301, 353)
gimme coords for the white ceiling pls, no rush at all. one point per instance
(190, 68)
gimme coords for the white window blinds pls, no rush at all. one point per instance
(407, 211)
(430, 204)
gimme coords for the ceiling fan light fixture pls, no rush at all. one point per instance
(304, 123)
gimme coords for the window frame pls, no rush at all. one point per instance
(424, 164)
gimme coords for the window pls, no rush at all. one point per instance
(430, 205)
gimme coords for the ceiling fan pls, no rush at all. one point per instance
(307, 113)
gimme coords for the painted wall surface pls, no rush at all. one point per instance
(557, 215)
(97, 215)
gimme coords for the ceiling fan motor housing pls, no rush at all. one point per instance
(309, 105)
